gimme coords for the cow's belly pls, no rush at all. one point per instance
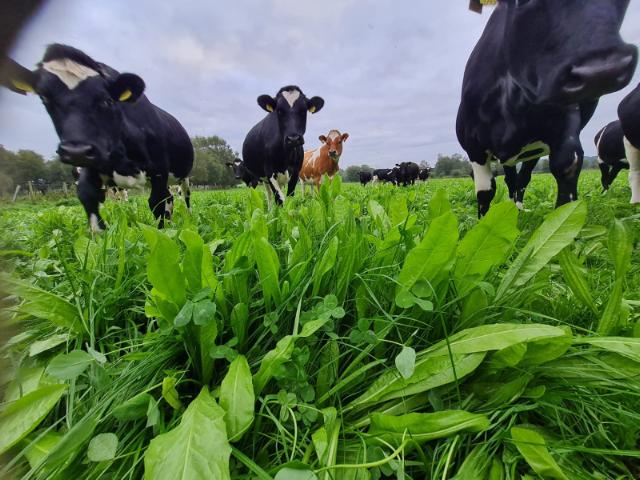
(532, 151)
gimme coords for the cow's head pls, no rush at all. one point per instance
(290, 107)
(84, 100)
(238, 168)
(334, 141)
(567, 51)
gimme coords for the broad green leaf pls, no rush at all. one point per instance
(67, 366)
(620, 246)
(325, 264)
(485, 246)
(134, 408)
(196, 449)
(576, 279)
(40, 346)
(432, 255)
(422, 427)
(192, 263)
(406, 362)
(439, 204)
(184, 315)
(268, 269)
(271, 361)
(163, 265)
(103, 447)
(558, 230)
(19, 418)
(312, 327)
(44, 305)
(170, 394)
(533, 448)
(237, 398)
(475, 465)
(288, 473)
(379, 216)
(240, 322)
(398, 211)
(72, 443)
(625, 346)
(25, 380)
(204, 312)
(41, 447)
(610, 320)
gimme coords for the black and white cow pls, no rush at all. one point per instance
(107, 126)
(629, 115)
(365, 177)
(274, 145)
(384, 175)
(407, 173)
(424, 173)
(533, 82)
(240, 172)
(611, 155)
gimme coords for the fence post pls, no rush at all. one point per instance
(31, 193)
(65, 189)
(15, 194)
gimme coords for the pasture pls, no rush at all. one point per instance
(365, 333)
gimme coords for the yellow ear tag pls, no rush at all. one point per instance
(269, 108)
(312, 109)
(25, 87)
(126, 95)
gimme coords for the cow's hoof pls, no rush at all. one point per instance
(520, 206)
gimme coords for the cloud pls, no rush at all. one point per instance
(390, 72)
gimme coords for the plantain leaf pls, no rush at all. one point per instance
(237, 398)
(533, 448)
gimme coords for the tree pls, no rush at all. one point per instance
(211, 155)
(454, 165)
(352, 173)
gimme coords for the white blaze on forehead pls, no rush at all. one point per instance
(291, 96)
(69, 72)
(333, 134)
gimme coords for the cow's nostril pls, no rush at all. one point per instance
(78, 154)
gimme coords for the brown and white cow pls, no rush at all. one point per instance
(323, 160)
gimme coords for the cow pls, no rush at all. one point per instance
(629, 115)
(107, 126)
(365, 177)
(424, 173)
(611, 155)
(407, 173)
(384, 175)
(533, 82)
(240, 172)
(41, 185)
(322, 160)
(274, 145)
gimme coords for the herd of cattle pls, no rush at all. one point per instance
(529, 88)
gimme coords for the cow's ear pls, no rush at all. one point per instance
(267, 103)
(322, 138)
(127, 87)
(16, 77)
(345, 136)
(315, 104)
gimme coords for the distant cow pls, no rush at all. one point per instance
(533, 82)
(41, 185)
(365, 177)
(274, 145)
(240, 172)
(407, 173)
(107, 126)
(629, 115)
(324, 159)
(611, 155)
(424, 174)
(384, 175)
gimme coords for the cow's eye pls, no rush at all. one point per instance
(520, 3)
(107, 102)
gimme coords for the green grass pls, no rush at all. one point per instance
(365, 333)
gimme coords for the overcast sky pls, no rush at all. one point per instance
(390, 71)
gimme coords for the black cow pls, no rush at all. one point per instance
(240, 172)
(407, 173)
(385, 175)
(611, 155)
(41, 185)
(107, 126)
(533, 82)
(424, 174)
(274, 145)
(629, 115)
(365, 177)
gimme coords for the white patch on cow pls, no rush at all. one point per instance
(69, 72)
(276, 186)
(291, 96)
(520, 205)
(598, 143)
(482, 176)
(374, 179)
(600, 162)
(529, 152)
(633, 156)
(137, 181)
(314, 156)
(168, 207)
(333, 134)
(94, 224)
(125, 195)
(624, 160)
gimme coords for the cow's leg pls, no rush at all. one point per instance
(605, 170)
(185, 185)
(566, 163)
(633, 157)
(615, 170)
(91, 195)
(511, 179)
(160, 200)
(294, 175)
(524, 178)
(275, 188)
(485, 186)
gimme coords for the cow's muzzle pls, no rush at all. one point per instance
(602, 74)
(77, 154)
(294, 140)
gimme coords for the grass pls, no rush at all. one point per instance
(373, 332)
